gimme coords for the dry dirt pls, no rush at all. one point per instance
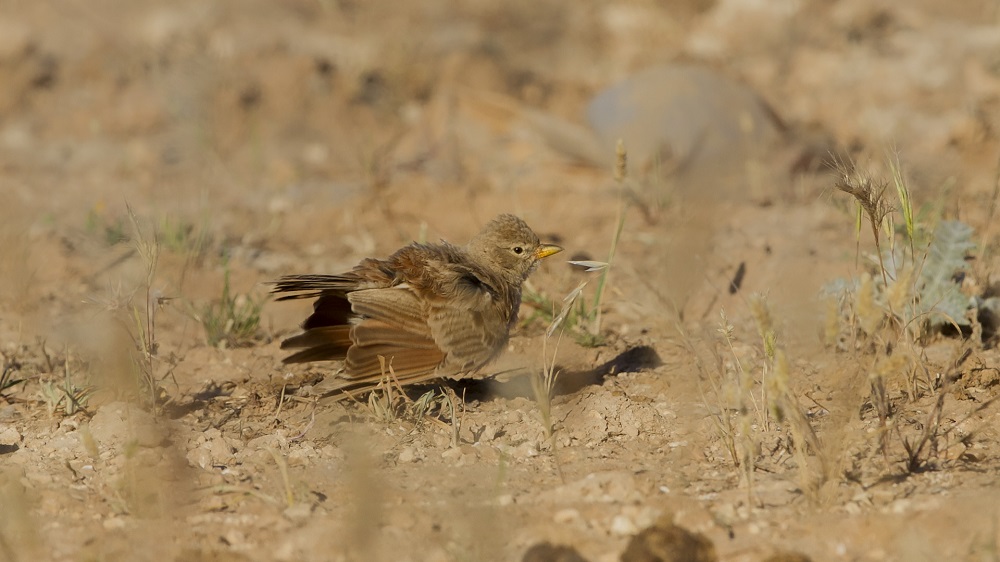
(257, 138)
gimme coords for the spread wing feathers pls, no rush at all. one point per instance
(451, 326)
(398, 307)
(394, 325)
(363, 365)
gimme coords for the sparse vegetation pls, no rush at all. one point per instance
(134, 371)
(7, 379)
(620, 177)
(388, 403)
(234, 319)
(187, 239)
(750, 410)
(143, 328)
(543, 383)
(67, 395)
(574, 320)
(309, 135)
(583, 318)
(888, 314)
(184, 237)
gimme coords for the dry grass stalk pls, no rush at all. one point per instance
(904, 303)
(744, 443)
(543, 384)
(873, 204)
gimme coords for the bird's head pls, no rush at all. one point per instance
(507, 245)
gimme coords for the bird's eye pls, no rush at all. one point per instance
(518, 250)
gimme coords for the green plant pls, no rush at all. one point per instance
(912, 289)
(908, 294)
(184, 237)
(233, 319)
(67, 394)
(6, 377)
(573, 318)
(620, 176)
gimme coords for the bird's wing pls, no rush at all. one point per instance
(468, 320)
(392, 322)
(326, 335)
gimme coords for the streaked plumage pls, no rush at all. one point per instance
(431, 310)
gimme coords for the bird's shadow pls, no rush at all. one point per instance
(198, 400)
(568, 382)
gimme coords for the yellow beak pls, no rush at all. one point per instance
(546, 250)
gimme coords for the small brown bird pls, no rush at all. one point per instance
(430, 310)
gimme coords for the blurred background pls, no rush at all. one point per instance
(256, 138)
(307, 133)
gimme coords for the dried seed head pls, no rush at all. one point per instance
(621, 161)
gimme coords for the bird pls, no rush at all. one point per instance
(428, 311)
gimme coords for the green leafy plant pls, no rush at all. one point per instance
(919, 293)
(910, 291)
(573, 318)
(913, 285)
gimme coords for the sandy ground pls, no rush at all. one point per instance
(253, 139)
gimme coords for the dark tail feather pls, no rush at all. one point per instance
(330, 310)
(321, 344)
(309, 286)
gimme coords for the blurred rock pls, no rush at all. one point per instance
(788, 557)
(547, 552)
(298, 512)
(669, 543)
(200, 457)
(568, 516)
(9, 437)
(684, 119)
